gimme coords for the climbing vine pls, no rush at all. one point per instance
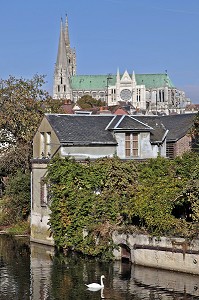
(90, 200)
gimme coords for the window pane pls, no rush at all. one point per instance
(127, 143)
(135, 152)
(135, 144)
(128, 153)
(127, 136)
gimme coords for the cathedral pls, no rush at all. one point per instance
(144, 92)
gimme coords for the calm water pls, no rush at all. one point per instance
(34, 272)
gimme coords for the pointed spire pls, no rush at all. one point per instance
(118, 75)
(133, 79)
(61, 55)
(67, 39)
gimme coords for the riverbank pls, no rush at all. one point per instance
(21, 228)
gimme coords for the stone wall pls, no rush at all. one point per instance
(175, 254)
(183, 145)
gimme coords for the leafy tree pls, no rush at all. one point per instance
(22, 105)
(195, 133)
(88, 102)
(15, 204)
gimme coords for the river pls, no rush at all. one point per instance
(32, 271)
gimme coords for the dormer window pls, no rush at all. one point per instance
(131, 144)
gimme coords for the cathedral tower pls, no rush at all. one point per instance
(65, 66)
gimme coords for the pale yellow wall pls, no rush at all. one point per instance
(44, 127)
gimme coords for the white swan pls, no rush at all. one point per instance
(96, 286)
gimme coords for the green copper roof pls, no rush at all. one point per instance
(99, 82)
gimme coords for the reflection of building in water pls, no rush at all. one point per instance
(146, 281)
(40, 264)
(52, 280)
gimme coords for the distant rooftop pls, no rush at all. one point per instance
(99, 82)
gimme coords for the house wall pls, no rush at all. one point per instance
(183, 145)
(44, 127)
(84, 152)
(146, 149)
(39, 214)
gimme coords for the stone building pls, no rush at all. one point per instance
(145, 92)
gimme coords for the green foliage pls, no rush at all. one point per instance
(22, 105)
(87, 198)
(87, 102)
(195, 134)
(90, 200)
(15, 204)
(21, 228)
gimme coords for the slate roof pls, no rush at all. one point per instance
(98, 129)
(127, 123)
(157, 128)
(177, 125)
(99, 82)
(81, 129)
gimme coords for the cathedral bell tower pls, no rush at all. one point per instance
(65, 66)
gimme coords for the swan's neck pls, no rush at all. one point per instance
(102, 284)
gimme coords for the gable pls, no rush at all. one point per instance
(127, 123)
(126, 78)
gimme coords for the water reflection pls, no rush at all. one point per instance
(44, 275)
(14, 268)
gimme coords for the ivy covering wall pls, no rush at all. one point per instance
(89, 200)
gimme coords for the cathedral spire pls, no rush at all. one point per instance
(67, 39)
(61, 87)
(62, 55)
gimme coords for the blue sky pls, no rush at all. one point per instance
(147, 36)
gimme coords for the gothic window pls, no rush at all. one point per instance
(64, 88)
(102, 94)
(42, 144)
(160, 98)
(138, 95)
(131, 144)
(58, 88)
(48, 144)
(45, 144)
